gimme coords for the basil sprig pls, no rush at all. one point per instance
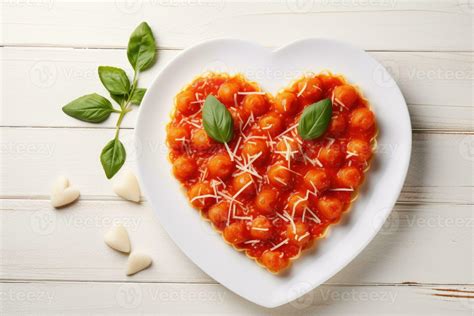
(217, 120)
(141, 48)
(114, 79)
(137, 96)
(113, 157)
(93, 108)
(315, 119)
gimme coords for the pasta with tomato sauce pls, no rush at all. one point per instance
(267, 191)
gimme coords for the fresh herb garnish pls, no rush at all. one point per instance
(93, 108)
(141, 48)
(115, 80)
(315, 119)
(217, 120)
(113, 157)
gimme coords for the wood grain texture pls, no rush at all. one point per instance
(53, 244)
(437, 86)
(376, 25)
(55, 261)
(440, 169)
(181, 299)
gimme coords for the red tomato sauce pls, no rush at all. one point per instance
(269, 192)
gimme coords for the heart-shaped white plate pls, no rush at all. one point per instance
(274, 70)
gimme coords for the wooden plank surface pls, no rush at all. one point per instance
(79, 298)
(437, 86)
(53, 244)
(440, 169)
(55, 262)
(375, 25)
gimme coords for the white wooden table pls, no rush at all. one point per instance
(56, 262)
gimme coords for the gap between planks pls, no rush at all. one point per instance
(122, 47)
(367, 284)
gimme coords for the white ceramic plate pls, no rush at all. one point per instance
(274, 70)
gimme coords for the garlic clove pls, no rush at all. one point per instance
(117, 238)
(126, 186)
(60, 184)
(62, 194)
(137, 262)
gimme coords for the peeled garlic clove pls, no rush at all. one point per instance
(65, 197)
(60, 184)
(137, 262)
(126, 186)
(62, 194)
(117, 238)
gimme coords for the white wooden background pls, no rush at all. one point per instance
(55, 262)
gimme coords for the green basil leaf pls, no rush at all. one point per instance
(114, 79)
(137, 96)
(217, 120)
(118, 98)
(315, 119)
(141, 48)
(91, 108)
(112, 157)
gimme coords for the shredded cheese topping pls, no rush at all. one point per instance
(261, 229)
(204, 196)
(242, 189)
(253, 241)
(300, 93)
(300, 238)
(313, 217)
(296, 205)
(288, 130)
(235, 100)
(251, 92)
(342, 189)
(284, 242)
(351, 154)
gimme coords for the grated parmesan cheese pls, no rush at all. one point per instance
(342, 189)
(204, 196)
(242, 189)
(351, 154)
(253, 241)
(260, 229)
(303, 236)
(251, 92)
(284, 242)
(315, 218)
(300, 93)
